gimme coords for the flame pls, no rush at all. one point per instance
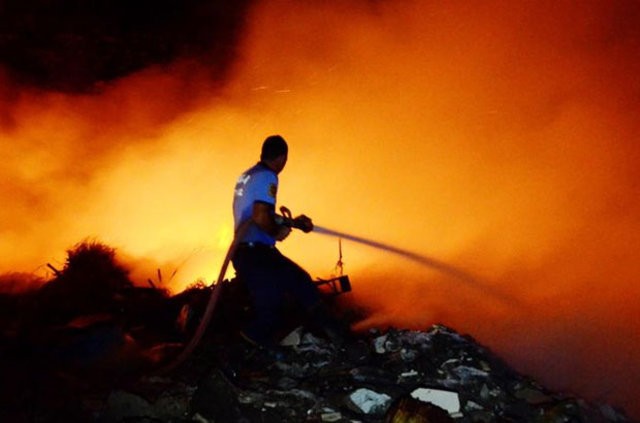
(499, 138)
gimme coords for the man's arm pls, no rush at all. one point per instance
(264, 216)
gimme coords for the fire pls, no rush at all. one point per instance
(498, 138)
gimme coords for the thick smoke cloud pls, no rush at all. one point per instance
(75, 46)
(500, 138)
(66, 115)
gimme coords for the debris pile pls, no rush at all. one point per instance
(397, 376)
(72, 353)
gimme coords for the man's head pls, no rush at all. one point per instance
(274, 152)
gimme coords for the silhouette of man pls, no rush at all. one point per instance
(270, 276)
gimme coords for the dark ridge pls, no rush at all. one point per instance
(72, 45)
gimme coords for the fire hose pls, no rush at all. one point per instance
(285, 219)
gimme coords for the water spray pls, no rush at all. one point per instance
(304, 223)
(440, 266)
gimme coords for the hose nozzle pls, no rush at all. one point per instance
(302, 222)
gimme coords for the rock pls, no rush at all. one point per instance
(170, 405)
(293, 338)
(331, 416)
(367, 401)
(531, 395)
(446, 400)
(217, 399)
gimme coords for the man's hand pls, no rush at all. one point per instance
(303, 223)
(283, 232)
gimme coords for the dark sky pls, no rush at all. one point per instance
(72, 45)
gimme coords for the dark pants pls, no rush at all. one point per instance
(271, 277)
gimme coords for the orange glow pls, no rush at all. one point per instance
(500, 138)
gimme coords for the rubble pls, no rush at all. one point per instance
(367, 401)
(313, 381)
(107, 367)
(446, 400)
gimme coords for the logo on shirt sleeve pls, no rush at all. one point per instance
(273, 190)
(243, 179)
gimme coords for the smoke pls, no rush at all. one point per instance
(496, 138)
(58, 148)
(454, 272)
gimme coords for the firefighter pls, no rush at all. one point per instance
(270, 276)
